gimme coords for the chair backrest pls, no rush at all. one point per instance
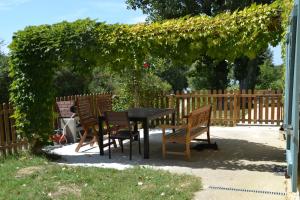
(63, 108)
(117, 119)
(103, 103)
(84, 111)
(200, 117)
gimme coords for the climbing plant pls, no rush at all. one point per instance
(38, 51)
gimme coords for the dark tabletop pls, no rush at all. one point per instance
(148, 113)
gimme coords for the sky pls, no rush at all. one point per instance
(17, 14)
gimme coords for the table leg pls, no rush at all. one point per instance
(136, 138)
(146, 138)
(100, 142)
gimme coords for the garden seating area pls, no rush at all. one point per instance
(245, 154)
(197, 111)
(196, 123)
(193, 90)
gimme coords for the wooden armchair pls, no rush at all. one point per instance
(87, 120)
(198, 122)
(103, 104)
(119, 127)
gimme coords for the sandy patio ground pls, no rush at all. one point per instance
(248, 165)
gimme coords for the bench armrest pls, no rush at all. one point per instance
(164, 127)
(173, 126)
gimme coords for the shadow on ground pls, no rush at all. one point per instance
(233, 154)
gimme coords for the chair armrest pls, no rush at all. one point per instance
(114, 128)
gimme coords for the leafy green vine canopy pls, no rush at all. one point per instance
(37, 51)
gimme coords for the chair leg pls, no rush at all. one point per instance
(82, 139)
(164, 147)
(92, 142)
(208, 136)
(115, 143)
(139, 138)
(130, 155)
(95, 137)
(121, 144)
(188, 151)
(109, 150)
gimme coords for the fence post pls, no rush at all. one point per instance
(235, 109)
(214, 108)
(12, 129)
(7, 128)
(177, 100)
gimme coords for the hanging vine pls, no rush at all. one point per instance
(37, 51)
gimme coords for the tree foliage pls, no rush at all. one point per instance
(4, 77)
(247, 70)
(173, 73)
(158, 10)
(270, 75)
(38, 51)
(175, 76)
(103, 80)
(209, 74)
(68, 82)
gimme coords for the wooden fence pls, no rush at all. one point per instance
(228, 107)
(10, 142)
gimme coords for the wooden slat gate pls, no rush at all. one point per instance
(10, 142)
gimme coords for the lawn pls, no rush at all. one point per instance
(31, 177)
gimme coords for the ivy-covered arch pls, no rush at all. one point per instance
(37, 51)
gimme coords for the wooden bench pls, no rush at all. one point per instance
(198, 122)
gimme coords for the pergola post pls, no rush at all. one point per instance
(292, 91)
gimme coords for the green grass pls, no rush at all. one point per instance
(30, 177)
